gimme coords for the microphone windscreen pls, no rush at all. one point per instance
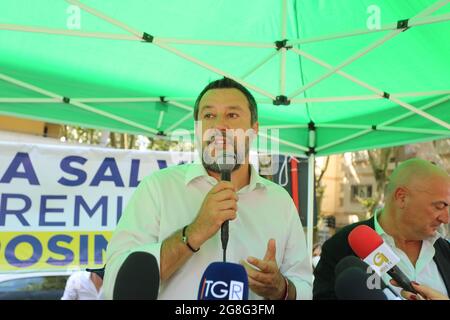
(223, 281)
(354, 262)
(350, 262)
(226, 161)
(353, 284)
(364, 240)
(138, 278)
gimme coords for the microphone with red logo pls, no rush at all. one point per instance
(370, 247)
(223, 281)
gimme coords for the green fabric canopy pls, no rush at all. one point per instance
(383, 66)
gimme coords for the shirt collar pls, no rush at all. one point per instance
(256, 181)
(194, 171)
(381, 232)
(197, 170)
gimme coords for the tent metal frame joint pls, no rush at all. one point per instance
(146, 37)
(311, 151)
(403, 24)
(282, 44)
(312, 139)
(281, 100)
(162, 99)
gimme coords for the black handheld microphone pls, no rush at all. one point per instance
(226, 161)
(138, 278)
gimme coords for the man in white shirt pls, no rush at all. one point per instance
(84, 285)
(176, 213)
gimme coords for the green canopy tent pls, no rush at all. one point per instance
(329, 76)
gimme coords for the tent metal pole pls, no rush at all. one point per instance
(176, 124)
(72, 33)
(186, 99)
(264, 101)
(117, 100)
(414, 130)
(73, 123)
(370, 97)
(430, 20)
(126, 37)
(283, 19)
(284, 142)
(343, 126)
(109, 19)
(260, 64)
(283, 71)
(431, 9)
(369, 48)
(418, 94)
(337, 99)
(283, 50)
(160, 120)
(180, 105)
(182, 133)
(217, 43)
(169, 48)
(310, 205)
(214, 69)
(30, 87)
(421, 113)
(384, 128)
(386, 123)
(388, 27)
(340, 72)
(373, 89)
(113, 117)
(142, 99)
(409, 114)
(311, 185)
(285, 126)
(346, 62)
(391, 26)
(345, 139)
(30, 100)
(75, 103)
(181, 99)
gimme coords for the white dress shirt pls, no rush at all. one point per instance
(425, 271)
(169, 199)
(79, 286)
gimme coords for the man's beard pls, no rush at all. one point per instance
(214, 167)
(235, 142)
(240, 159)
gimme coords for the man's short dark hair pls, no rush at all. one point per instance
(226, 83)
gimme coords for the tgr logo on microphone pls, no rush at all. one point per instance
(221, 290)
